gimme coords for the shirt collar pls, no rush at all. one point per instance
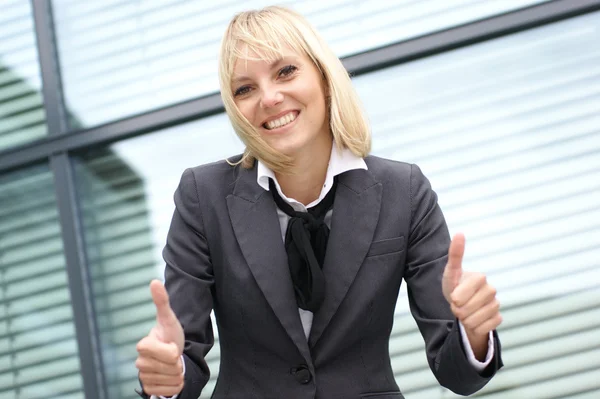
(340, 161)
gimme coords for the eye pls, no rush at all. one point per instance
(241, 91)
(287, 70)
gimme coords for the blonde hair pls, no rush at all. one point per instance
(267, 32)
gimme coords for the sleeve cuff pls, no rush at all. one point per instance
(174, 396)
(479, 366)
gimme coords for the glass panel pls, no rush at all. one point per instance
(127, 209)
(22, 116)
(122, 57)
(38, 346)
(508, 133)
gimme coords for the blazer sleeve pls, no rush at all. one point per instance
(189, 281)
(427, 254)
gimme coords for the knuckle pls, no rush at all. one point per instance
(145, 344)
(141, 346)
(496, 306)
(140, 363)
(174, 354)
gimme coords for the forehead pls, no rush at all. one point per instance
(247, 58)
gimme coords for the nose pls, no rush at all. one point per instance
(270, 97)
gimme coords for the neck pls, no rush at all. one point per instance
(305, 180)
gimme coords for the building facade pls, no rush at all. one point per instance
(103, 104)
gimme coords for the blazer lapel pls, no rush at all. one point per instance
(355, 216)
(253, 215)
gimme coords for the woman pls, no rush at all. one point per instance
(304, 300)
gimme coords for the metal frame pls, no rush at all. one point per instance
(80, 289)
(471, 33)
(59, 144)
(358, 64)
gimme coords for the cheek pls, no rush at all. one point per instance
(315, 99)
(247, 110)
(319, 107)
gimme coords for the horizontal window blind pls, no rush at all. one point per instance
(38, 346)
(22, 116)
(127, 204)
(122, 57)
(508, 132)
(120, 259)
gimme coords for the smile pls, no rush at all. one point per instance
(281, 121)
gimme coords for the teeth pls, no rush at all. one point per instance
(284, 120)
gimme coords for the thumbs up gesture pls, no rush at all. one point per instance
(472, 299)
(159, 353)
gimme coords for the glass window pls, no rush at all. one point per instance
(38, 346)
(120, 58)
(507, 132)
(127, 195)
(22, 116)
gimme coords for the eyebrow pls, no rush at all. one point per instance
(241, 78)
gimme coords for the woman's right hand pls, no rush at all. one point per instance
(159, 353)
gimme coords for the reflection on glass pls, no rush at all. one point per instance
(127, 203)
(123, 58)
(508, 133)
(22, 116)
(38, 346)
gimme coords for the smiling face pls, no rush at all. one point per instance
(284, 100)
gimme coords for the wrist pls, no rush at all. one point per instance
(479, 344)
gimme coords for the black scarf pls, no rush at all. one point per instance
(305, 243)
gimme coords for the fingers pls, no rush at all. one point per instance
(456, 253)
(474, 303)
(149, 365)
(165, 356)
(483, 296)
(158, 378)
(160, 366)
(453, 270)
(164, 314)
(471, 283)
(161, 379)
(489, 325)
(479, 315)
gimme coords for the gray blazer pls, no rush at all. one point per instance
(224, 252)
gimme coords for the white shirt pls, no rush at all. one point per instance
(340, 162)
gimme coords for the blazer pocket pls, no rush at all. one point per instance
(387, 246)
(382, 395)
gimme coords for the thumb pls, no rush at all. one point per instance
(453, 270)
(166, 320)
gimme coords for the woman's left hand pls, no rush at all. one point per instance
(472, 299)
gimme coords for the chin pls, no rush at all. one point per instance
(286, 145)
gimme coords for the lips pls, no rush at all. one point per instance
(280, 120)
